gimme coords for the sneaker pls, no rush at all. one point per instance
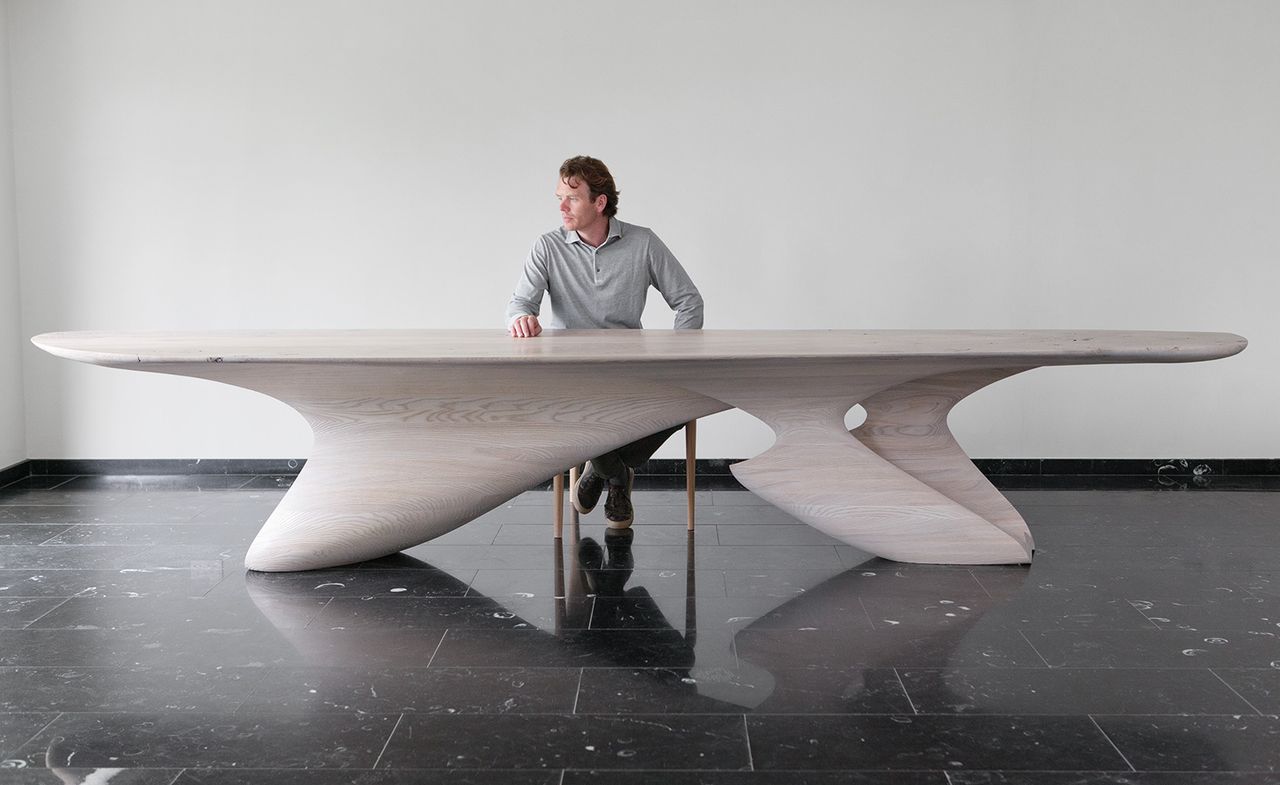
(591, 562)
(618, 513)
(585, 493)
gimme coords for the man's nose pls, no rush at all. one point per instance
(564, 205)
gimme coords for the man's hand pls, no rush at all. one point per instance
(526, 327)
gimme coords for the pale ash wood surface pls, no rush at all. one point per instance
(419, 431)
(1056, 347)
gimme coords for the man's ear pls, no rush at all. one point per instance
(601, 202)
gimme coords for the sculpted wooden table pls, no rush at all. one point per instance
(419, 431)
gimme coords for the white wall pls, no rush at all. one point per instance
(814, 164)
(13, 433)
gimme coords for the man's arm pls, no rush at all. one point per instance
(669, 278)
(526, 301)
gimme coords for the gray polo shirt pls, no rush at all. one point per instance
(603, 287)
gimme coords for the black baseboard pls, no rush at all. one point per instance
(1005, 473)
(164, 466)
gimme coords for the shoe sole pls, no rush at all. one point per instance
(573, 492)
(612, 524)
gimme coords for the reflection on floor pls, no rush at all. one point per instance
(134, 647)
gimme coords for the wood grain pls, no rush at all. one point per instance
(418, 432)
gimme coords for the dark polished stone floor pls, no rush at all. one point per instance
(1142, 646)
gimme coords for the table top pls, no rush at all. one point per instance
(129, 349)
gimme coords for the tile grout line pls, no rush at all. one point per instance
(578, 691)
(746, 734)
(69, 526)
(867, 614)
(320, 612)
(65, 600)
(36, 735)
(901, 684)
(982, 586)
(177, 776)
(386, 744)
(1237, 692)
(432, 658)
(1112, 743)
(1023, 635)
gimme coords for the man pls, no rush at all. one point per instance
(598, 271)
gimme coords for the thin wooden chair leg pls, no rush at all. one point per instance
(557, 587)
(690, 596)
(557, 489)
(573, 480)
(690, 463)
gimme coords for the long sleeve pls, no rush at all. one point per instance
(670, 279)
(532, 285)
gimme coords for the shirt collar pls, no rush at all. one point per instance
(615, 230)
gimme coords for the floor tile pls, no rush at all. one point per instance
(773, 534)
(1045, 610)
(1197, 743)
(657, 583)
(1261, 584)
(746, 557)
(37, 482)
(91, 513)
(896, 647)
(10, 496)
(1109, 778)
(446, 613)
(603, 776)
(130, 740)
(1156, 649)
(1260, 687)
(776, 583)
(69, 557)
(359, 777)
(647, 648)
(639, 610)
(650, 534)
(1070, 691)
(29, 533)
(178, 614)
(737, 499)
(190, 582)
(420, 690)
(230, 647)
(114, 776)
(115, 689)
(559, 741)
(1257, 615)
(929, 742)
(1135, 582)
(158, 482)
(352, 582)
(16, 727)
(216, 536)
(744, 515)
(741, 690)
(16, 614)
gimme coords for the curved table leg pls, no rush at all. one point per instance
(907, 426)
(405, 453)
(820, 473)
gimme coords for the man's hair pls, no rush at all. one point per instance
(595, 174)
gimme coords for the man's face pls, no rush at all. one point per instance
(577, 210)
